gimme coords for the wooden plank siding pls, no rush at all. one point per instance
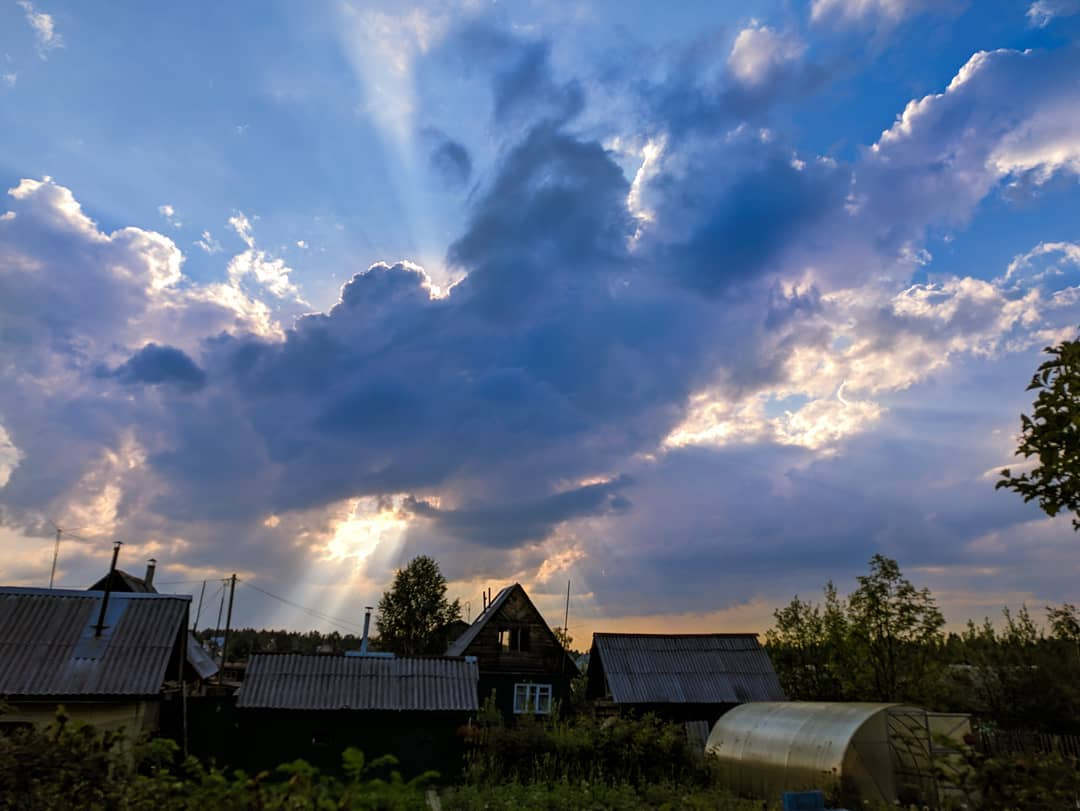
(541, 659)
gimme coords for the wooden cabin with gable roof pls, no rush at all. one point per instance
(521, 660)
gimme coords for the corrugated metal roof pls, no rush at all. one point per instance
(293, 681)
(201, 661)
(686, 668)
(123, 582)
(48, 646)
(461, 644)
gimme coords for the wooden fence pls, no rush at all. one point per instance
(1014, 742)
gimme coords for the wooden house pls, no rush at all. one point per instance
(521, 661)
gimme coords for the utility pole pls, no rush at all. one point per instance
(55, 556)
(566, 616)
(228, 622)
(198, 611)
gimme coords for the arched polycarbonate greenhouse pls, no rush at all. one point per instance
(857, 751)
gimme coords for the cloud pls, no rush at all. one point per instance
(524, 87)
(208, 243)
(865, 12)
(510, 525)
(451, 162)
(1042, 12)
(646, 339)
(169, 213)
(160, 365)
(1007, 117)
(268, 271)
(9, 79)
(44, 28)
(759, 54)
(9, 457)
(242, 226)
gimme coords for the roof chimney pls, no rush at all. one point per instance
(108, 589)
(148, 578)
(367, 624)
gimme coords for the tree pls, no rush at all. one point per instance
(897, 630)
(806, 647)
(1052, 434)
(414, 612)
(880, 644)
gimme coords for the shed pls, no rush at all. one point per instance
(314, 706)
(682, 677)
(52, 653)
(294, 681)
(857, 751)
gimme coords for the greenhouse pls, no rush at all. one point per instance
(854, 751)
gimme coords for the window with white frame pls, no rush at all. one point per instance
(532, 698)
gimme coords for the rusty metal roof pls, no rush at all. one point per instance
(293, 681)
(48, 646)
(685, 668)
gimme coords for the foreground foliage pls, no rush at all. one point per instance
(74, 766)
(582, 749)
(1052, 436)
(585, 763)
(566, 795)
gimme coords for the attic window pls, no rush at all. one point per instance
(514, 640)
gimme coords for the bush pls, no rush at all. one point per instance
(74, 766)
(583, 749)
(566, 795)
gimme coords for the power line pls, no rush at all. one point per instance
(311, 611)
(182, 582)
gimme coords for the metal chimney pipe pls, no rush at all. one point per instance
(148, 578)
(367, 625)
(108, 589)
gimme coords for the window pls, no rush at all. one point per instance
(514, 639)
(532, 698)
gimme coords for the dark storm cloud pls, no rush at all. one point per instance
(514, 523)
(740, 231)
(161, 365)
(523, 85)
(448, 159)
(451, 161)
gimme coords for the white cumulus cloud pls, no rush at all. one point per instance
(760, 52)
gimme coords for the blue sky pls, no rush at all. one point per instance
(697, 307)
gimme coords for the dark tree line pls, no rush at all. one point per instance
(245, 641)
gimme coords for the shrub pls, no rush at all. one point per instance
(614, 751)
(73, 766)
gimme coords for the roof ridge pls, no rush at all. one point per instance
(42, 591)
(728, 634)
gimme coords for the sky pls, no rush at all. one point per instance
(696, 306)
